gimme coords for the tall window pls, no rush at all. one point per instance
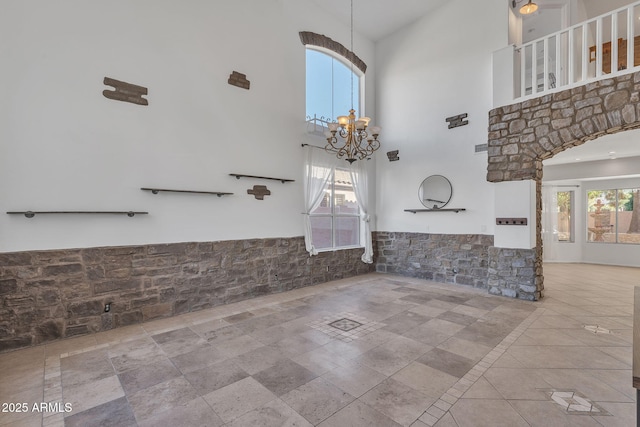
(336, 222)
(329, 86)
(613, 215)
(565, 216)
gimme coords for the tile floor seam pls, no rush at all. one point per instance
(465, 383)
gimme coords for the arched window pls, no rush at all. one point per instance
(329, 86)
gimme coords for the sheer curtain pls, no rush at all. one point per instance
(360, 180)
(549, 223)
(317, 171)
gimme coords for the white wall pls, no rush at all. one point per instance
(441, 66)
(64, 146)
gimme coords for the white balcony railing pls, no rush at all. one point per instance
(579, 54)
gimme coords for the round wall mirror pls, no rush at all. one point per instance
(435, 192)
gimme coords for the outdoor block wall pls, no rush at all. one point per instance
(47, 295)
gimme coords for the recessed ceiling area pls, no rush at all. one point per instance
(617, 145)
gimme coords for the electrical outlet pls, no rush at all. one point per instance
(107, 307)
(327, 268)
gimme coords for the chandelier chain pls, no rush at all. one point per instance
(350, 137)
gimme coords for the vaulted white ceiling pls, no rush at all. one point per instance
(377, 19)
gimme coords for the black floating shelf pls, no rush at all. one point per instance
(282, 180)
(456, 210)
(31, 214)
(157, 190)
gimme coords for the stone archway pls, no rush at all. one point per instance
(320, 40)
(522, 135)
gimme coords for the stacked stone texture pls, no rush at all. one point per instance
(447, 258)
(47, 295)
(512, 273)
(320, 40)
(520, 135)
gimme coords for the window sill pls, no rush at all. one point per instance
(339, 249)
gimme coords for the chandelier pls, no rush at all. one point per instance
(351, 137)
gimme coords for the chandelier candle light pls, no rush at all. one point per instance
(349, 137)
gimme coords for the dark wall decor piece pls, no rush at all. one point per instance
(511, 221)
(126, 92)
(457, 121)
(393, 155)
(481, 148)
(259, 191)
(239, 80)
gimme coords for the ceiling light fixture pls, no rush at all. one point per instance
(355, 143)
(526, 9)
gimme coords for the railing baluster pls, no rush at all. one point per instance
(599, 47)
(577, 40)
(614, 43)
(585, 52)
(534, 68)
(523, 70)
(545, 52)
(558, 56)
(572, 55)
(630, 37)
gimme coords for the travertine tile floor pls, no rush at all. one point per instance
(405, 352)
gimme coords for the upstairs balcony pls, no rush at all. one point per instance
(599, 48)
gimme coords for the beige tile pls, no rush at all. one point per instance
(517, 383)
(21, 420)
(397, 401)
(482, 389)
(272, 414)
(507, 361)
(92, 394)
(550, 414)
(592, 387)
(354, 378)
(468, 349)
(317, 400)
(565, 357)
(547, 337)
(124, 333)
(236, 399)
(358, 414)
(616, 379)
(485, 412)
(624, 414)
(161, 397)
(195, 413)
(317, 362)
(69, 345)
(446, 421)
(425, 379)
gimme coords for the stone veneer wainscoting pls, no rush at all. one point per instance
(448, 258)
(47, 295)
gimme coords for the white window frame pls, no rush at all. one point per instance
(333, 215)
(356, 71)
